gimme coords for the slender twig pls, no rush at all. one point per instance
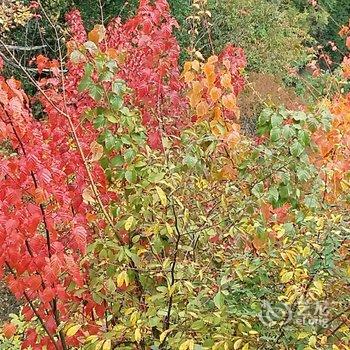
(172, 274)
(25, 48)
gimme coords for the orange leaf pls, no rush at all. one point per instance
(346, 67)
(217, 127)
(217, 112)
(194, 99)
(212, 59)
(187, 66)
(229, 102)
(189, 76)
(41, 62)
(210, 74)
(228, 172)
(226, 81)
(9, 330)
(202, 109)
(233, 135)
(196, 94)
(112, 53)
(40, 195)
(215, 94)
(97, 34)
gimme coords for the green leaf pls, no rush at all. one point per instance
(109, 141)
(311, 202)
(190, 160)
(219, 300)
(296, 149)
(299, 116)
(111, 285)
(258, 189)
(96, 92)
(85, 83)
(117, 161)
(116, 101)
(131, 176)
(303, 174)
(111, 117)
(197, 325)
(304, 138)
(275, 134)
(156, 177)
(273, 194)
(276, 120)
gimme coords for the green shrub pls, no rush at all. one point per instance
(273, 34)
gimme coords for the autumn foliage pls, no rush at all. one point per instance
(134, 208)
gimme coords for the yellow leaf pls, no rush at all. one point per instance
(237, 344)
(196, 65)
(199, 55)
(303, 335)
(312, 341)
(96, 150)
(134, 318)
(318, 286)
(187, 345)
(186, 216)
(122, 278)
(286, 277)
(163, 335)
(107, 345)
(169, 229)
(184, 345)
(162, 196)
(246, 347)
(73, 330)
(138, 335)
(128, 223)
(88, 196)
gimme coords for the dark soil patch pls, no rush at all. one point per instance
(8, 303)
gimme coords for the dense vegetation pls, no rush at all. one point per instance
(175, 184)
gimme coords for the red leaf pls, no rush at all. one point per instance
(79, 237)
